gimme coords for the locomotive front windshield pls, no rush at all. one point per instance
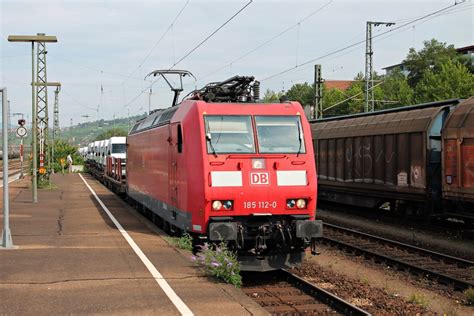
(229, 134)
(119, 148)
(280, 134)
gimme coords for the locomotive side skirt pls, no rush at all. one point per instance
(179, 218)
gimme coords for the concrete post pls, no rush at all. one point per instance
(6, 234)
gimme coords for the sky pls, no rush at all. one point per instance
(105, 49)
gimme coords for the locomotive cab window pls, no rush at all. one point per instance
(229, 134)
(280, 134)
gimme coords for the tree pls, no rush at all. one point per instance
(452, 80)
(356, 104)
(396, 88)
(271, 96)
(112, 132)
(61, 150)
(332, 97)
(430, 57)
(301, 92)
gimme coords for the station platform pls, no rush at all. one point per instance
(72, 259)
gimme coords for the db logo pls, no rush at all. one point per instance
(259, 178)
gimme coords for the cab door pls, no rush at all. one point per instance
(175, 149)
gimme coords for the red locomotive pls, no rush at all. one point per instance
(224, 167)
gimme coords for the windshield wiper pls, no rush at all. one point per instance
(299, 139)
(208, 138)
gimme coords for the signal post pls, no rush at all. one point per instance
(22, 133)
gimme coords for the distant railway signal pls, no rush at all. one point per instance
(21, 132)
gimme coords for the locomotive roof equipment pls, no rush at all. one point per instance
(235, 89)
(180, 73)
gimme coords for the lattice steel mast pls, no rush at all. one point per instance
(369, 71)
(35, 85)
(55, 124)
(56, 113)
(41, 104)
(317, 111)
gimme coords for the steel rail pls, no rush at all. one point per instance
(435, 255)
(333, 301)
(440, 277)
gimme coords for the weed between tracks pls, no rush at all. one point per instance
(217, 260)
(469, 294)
(418, 299)
(220, 262)
(184, 242)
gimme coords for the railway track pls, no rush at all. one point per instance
(451, 271)
(283, 293)
(14, 164)
(14, 168)
(431, 223)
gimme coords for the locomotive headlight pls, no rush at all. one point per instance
(227, 204)
(216, 205)
(300, 203)
(290, 203)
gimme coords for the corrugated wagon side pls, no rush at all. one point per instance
(388, 156)
(458, 153)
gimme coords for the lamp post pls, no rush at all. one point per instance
(33, 39)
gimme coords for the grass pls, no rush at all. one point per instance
(418, 299)
(184, 242)
(44, 184)
(364, 280)
(469, 294)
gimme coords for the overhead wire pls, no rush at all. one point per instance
(389, 35)
(169, 28)
(101, 71)
(297, 24)
(351, 97)
(212, 34)
(75, 100)
(435, 13)
(401, 30)
(192, 50)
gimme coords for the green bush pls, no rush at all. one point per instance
(220, 262)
